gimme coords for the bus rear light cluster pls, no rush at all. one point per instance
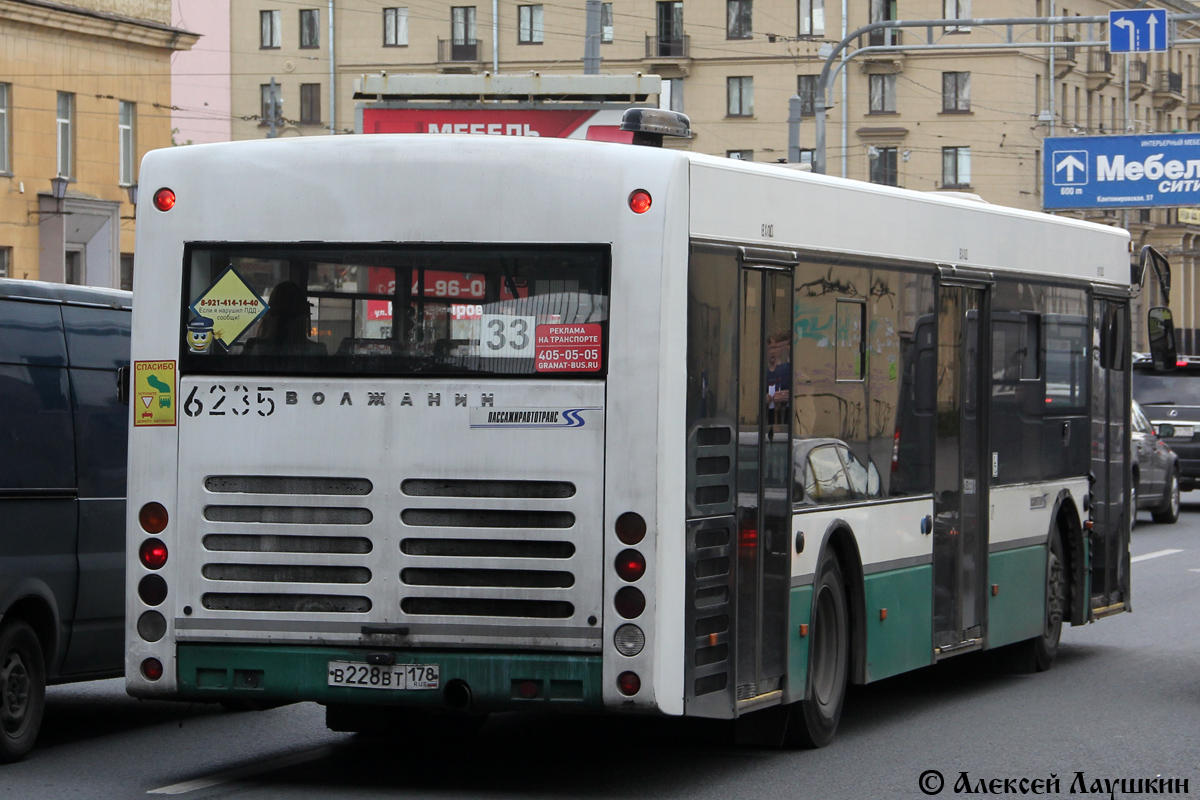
(153, 554)
(153, 518)
(629, 684)
(152, 669)
(629, 640)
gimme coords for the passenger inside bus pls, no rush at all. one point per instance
(284, 329)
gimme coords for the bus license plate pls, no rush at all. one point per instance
(395, 676)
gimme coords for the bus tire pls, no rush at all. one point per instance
(22, 690)
(1037, 654)
(814, 720)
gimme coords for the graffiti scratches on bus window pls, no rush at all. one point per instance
(827, 285)
(810, 327)
(881, 290)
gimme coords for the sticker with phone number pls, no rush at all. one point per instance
(395, 676)
(568, 348)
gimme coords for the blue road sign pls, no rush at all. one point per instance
(1122, 171)
(1137, 30)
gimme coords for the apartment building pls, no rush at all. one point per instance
(85, 91)
(969, 118)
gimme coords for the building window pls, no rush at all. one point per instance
(66, 134)
(956, 166)
(957, 9)
(807, 156)
(462, 25)
(529, 25)
(126, 117)
(740, 95)
(310, 26)
(883, 11)
(395, 27)
(956, 91)
(73, 268)
(310, 104)
(5, 136)
(740, 155)
(738, 19)
(127, 271)
(670, 96)
(812, 17)
(883, 94)
(883, 165)
(606, 23)
(5, 262)
(272, 103)
(806, 87)
(269, 33)
(669, 25)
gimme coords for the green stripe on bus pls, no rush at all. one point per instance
(904, 639)
(290, 673)
(1017, 610)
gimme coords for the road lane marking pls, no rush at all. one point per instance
(1155, 554)
(269, 765)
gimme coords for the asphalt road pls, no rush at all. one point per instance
(1122, 701)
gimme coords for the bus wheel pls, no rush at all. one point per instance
(22, 690)
(814, 719)
(1037, 654)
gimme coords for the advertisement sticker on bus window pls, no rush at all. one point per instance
(568, 348)
(504, 336)
(153, 393)
(224, 312)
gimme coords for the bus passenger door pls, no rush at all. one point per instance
(764, 505)
(960, 483)
(1110, 471)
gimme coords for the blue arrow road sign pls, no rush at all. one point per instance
(1122, 171)
(1140, 30)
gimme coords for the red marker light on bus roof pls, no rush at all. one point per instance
(164, 199)
(639, 201)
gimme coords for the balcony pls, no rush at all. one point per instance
(668, 46)
(459, 51)
(1099, 68)
(1139, 79)
(1065, 56)
(1193, 101)
(1168, 89)
(884, 37)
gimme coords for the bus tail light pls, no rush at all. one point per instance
(153, 554)
(152, 669)
(153, 518)
(639, 201)
(164, 199)
(631, 528)
(629, 640)
(630, 603)
(152, 626)
(630, 565)
(152, 589)
(629, 683)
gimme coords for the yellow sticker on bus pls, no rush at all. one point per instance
(154, 393)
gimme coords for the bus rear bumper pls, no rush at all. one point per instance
(474, 682)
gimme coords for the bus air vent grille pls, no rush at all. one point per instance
(487, 548)
(535, 490)
(272, 484)
(513, 578)
(485, 518)
(711, 458)
(298, 603)
(286, 573)
(487, 607)
(270, 543)
(289, 515)
(710, 617)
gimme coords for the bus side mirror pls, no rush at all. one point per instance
(1162, 338)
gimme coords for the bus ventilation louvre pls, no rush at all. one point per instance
(710, 480)
(710, 556)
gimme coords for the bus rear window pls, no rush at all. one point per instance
(395, 310)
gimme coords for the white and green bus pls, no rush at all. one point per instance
(435, 426)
